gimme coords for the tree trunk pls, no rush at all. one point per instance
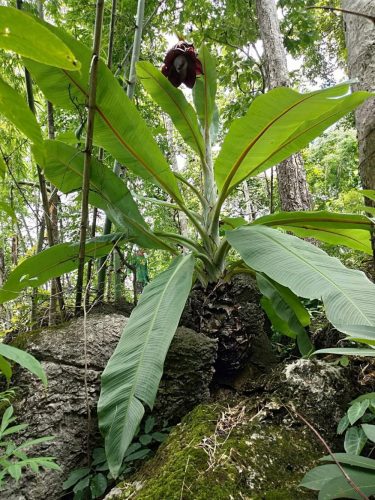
(360, 44)
(293, 190)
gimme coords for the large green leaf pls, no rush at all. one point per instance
(277, 125)
(347, 351)
(119, 128)
(15, 109)
(317, 477)
(286, 313)
(54, 262)
(22, 33)
(339, 487)
(24, 359)
(348, 295)
(63, 166)
(355, 460)
(173, 102)
(204, 90)
(133, 373)
(369, 193)
(351, 230)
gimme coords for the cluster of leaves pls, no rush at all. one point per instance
(91, 482)
(276, 125)
(328, 479)
(13, 457)
(362, 411)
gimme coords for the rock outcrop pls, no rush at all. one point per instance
(247, 447)
(61, 410)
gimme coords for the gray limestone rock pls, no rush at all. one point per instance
(61, 409)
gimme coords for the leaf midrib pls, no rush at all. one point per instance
(328, 279)
(122, 142)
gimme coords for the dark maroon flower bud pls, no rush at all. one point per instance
(181, 65)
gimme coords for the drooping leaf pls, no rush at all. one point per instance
(284, 300)
(369, 395)
(277, 125)
(285, 311)
(132, 374)
(173, 102)
(63, 166)
(357, 410)
(15, 109)
(354, 460)
(351, 230)
(369, 193)
(24, 359)
(369, 430)
(54, 262)
(349, 351)
(339, 487)
(347, 294)
(119, 128)
(317, 477)
(355, 440)
(75, 476)
(22, 33)
(82, 484)
(204, 90)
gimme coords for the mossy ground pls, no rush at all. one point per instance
(233, 452)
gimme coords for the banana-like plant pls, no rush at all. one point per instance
(276, 125)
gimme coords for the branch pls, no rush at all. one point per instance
(345, 11)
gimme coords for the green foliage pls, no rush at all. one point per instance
(138, 359)
(328, 479)
(54, 262)
(286, 313)
(35, 42)
(173, 102)
(24, 359)
(118, 128)
(13, 458)
(348, 295)
(348, 230)
(91, 483)
(277, 124)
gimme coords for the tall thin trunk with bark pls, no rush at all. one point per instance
(293, 190)
(360, 44)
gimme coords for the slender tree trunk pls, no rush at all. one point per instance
(88, 149)
(116, 167)
(56, 287)
(107, 224)
(293, 189)
(360, 44)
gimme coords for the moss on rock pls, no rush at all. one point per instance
(227, 452)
